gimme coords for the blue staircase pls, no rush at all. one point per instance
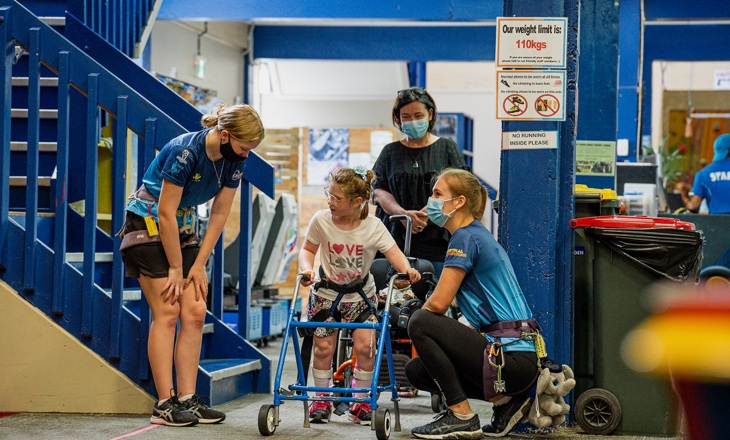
(57, 100)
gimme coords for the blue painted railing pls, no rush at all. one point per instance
(185, 114)
(86, 90)
(124, 24)
(102, 90)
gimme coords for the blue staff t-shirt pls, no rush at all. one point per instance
(184, 162)
(712, 183)
(489, 292)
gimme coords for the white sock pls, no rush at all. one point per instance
(363, 379)
(322, 378)
(464, 416)
(160, 402)
(185, 397)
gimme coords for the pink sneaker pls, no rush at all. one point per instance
(361, 413)
(320, 412)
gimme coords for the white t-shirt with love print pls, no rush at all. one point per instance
(346, 256)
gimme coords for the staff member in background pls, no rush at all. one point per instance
(405, 172)
(713, 181)
(162, 250)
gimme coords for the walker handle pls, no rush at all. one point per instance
(297, 284)
(409, 226)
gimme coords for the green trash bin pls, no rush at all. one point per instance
(589, 202)
(616, 258)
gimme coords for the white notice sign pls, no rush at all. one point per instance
(722, 80)
(528, 140)
(530, 95)
(532, 42)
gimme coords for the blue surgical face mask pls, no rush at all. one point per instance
(415, 129)
(435, 211)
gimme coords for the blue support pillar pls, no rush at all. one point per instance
(598, 70)
(417, 74)
(536, 198)
(629, 78)
(247, 67)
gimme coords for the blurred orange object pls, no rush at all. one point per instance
(687, 340)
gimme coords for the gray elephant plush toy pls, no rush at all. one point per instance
(549, 407)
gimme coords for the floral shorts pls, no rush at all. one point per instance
(357, 311)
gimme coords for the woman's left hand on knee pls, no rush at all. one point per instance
(199, 280)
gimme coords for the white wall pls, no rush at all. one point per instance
(287, 113)
(347, 102)
(469, 87)
(174, 46)
(298, 93)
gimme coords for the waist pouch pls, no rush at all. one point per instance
(186, 217)
(503, 329)
(135, 233)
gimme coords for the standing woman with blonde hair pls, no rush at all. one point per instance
(162, 250)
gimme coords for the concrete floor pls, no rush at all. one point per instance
(241, 421)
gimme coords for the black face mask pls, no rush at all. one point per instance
(229, 154)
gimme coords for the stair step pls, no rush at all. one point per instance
(22, 81)
(42, 146)
(54, 21)
(21, 181)
(45, 113)
(130, 295)
(20, 215)
(127, 295)
(100, 257)
(224, 368)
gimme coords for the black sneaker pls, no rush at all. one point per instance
(172, 413)
(507, 416)
(448, 426)
(201, 411)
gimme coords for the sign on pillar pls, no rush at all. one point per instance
(531, 42)
(531, 95)
(525, 44)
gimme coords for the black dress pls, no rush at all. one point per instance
(408, 174)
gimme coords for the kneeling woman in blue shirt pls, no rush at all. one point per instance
(461, 361)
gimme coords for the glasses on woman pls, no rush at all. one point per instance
(415, 91)
(331, 197)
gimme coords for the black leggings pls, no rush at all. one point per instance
(451, 356)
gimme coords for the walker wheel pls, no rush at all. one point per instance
(267, 424)
(436, 403)
(382, 424)
(598, 411)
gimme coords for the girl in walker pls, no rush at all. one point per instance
(347, 238)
